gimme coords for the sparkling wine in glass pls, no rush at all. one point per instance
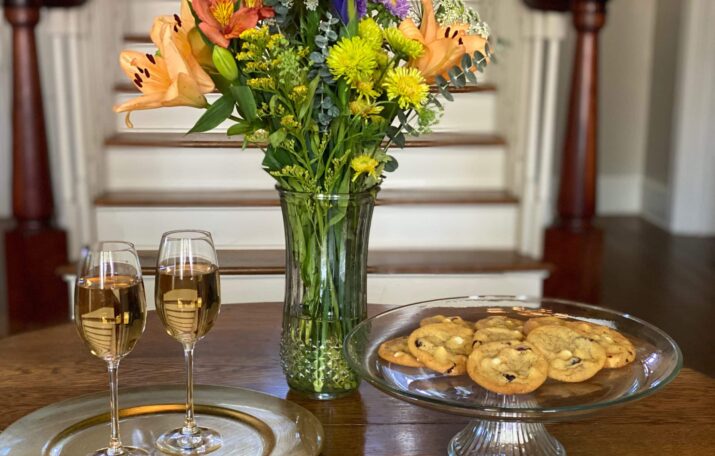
(188, 299)
(110, 314)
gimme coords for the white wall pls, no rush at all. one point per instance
(5, 106)
(625, 99)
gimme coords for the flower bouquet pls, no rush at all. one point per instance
(325, 88)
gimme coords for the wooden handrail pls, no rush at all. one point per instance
(34, 248)
(573, 245)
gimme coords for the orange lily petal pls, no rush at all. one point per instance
(148, 72)
(214, 35)
(184, 92)
(429, 26)
(410, 30)
(202, 9)
(242, 20)
(149, 101)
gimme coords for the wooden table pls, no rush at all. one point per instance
(42, 367)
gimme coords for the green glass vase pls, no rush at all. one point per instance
(327, 239)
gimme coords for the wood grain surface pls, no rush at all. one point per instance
(39, 368)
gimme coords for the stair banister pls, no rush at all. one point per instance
(573, 245)
(34, 247)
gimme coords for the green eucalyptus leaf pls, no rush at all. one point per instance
(391, 165)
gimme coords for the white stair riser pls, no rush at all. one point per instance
(393, 227)
(143, 12)
(469, 113)
(391, 289)
(159, 168)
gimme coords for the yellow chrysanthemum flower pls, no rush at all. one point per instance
(407, 86)
(365, 109)
(364, 164)
(352, 59)
(402, 45)
(366, 89)
(369, 31)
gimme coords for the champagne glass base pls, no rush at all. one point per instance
(492, 438)
(203, 442)
(125, 451)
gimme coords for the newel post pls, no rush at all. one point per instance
(34, 247)
(573, 244)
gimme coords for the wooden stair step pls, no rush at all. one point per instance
(272, 262)
(218, 140)
(264, 198)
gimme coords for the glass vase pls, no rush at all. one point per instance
(326, 287)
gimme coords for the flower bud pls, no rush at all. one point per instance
(225, 63)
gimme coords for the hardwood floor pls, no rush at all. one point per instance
(664, 279)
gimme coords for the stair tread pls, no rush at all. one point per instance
(271, 262)
(220, 140)
(263, 198)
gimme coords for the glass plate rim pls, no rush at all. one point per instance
(553, 411)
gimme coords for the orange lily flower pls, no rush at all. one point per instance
(221, 23)
(444, 46)
(171, 78)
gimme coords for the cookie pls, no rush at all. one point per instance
(442, 347)
(396, 351)
(619, 350)
(499, 321)
(533, 323)
(495, 334)
(508, 367)
(442, 319)
(572, 356)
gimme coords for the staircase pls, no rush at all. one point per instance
(447, 222)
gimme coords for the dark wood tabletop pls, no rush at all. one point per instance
(42, 367)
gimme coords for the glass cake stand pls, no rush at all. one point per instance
(512, 424)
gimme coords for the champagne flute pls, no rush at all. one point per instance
(110, 314)
(188, 301)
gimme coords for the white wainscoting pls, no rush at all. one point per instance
(620, 194)
(656, 203)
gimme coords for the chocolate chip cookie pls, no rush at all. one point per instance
(619, 350)
(442, 347)
(508, 367)
(572, 356)
(396, 351)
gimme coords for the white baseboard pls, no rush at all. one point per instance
(656, 203)
(620, 194)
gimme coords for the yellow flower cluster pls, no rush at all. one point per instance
(364, 164)
(407, 86)
(266, 84)
(353, 59)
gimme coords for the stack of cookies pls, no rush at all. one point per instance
(510, 356)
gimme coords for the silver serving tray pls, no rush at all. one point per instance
(251, 423)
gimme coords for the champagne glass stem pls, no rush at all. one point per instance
(115, 444)
(190, 427)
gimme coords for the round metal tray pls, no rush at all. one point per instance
(251, 423)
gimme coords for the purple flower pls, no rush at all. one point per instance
(341, 6)
(399, 8)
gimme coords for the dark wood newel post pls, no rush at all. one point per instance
(34, 247)
(573, 244)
